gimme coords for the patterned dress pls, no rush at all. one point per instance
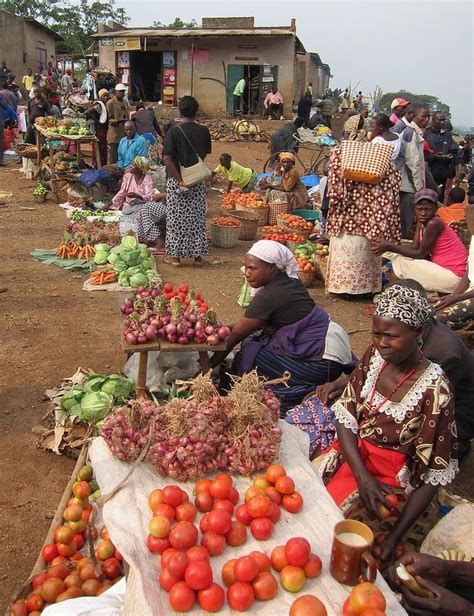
(404, 445)
(359, 213)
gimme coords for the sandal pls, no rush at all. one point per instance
(169, 261)
(157, 251)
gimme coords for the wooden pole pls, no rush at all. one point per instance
(192, 68)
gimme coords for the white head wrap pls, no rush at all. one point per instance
(404, 304)
(276, 254)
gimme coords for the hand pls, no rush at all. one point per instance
(430, 567)
(134, 195)
(158, 196)
(444, 602)
(379, 247)
(446, 301)
(372, 493)
(329, 392)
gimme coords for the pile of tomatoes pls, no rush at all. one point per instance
(70, 574)
(275, 237)
(185, 295)
(306, 264)
(296, 222)
(225, 221)
(273, 229)
(250, 200)
(295, 238)
(229, 199)
(295, 562)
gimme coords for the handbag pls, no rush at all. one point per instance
(195, 173)
(365, 162)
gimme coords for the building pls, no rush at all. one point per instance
(316, 73)
(25, 43)
(207, 62)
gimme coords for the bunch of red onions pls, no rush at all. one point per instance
(255, 450)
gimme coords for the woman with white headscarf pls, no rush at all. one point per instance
(293, 334)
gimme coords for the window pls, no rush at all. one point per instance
(41, 57)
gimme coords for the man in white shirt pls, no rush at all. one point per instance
(273, 104)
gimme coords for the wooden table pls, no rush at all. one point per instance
(164, 346)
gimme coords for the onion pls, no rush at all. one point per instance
(192, 318)
(213, 339)
(199, 336)
(171, 338)
(162, 332)
(129, 310)
(189, 332)
(198, 325)
(131, 338)
(181, 328)
(209, 330)
(155, 321)
(171, 329)
(183, 340)
(150, 332)
(155, 292)
(223, 332)
(142, 339)
(166, 319)
(128, 302)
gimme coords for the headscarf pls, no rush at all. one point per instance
(142, 163)
(352, 130)
(288, 155)
(102, 92)
(103, 109)
(403, 304)
(276, 254)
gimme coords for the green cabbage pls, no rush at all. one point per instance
(144, 251)
(138, 280)
(129, 242)
(123, 280)
(119, 387)
(72, 397)
(95, 406)
(147, 264)
(113, 258)
(100, 257)
(101, 248)
(119, 266)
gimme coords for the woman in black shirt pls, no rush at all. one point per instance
(185, 207)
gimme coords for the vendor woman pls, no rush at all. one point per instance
(292, 333)
(395, 425)
(289, 183)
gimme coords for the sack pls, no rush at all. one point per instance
(365, 162)
(196, 173)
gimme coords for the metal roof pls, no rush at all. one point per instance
(180, 32)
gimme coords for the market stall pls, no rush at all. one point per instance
(62, 172)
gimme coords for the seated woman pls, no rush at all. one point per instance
(395, 425)
(294, 334)
(381, 134)
(148, 127)
(289, 184)
(143, 209)
(436, 258)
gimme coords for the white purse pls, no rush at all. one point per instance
(195, 173)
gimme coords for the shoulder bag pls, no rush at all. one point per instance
(196, 173)
(365, 162)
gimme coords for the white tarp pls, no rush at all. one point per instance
(127, 517)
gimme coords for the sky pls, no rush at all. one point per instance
(425, 47)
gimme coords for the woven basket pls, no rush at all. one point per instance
(307, 278)
(279, 220)
(321, 267)
(261, 211)
(304, 232)
(249, 222)
(224, 237)
(274, 210)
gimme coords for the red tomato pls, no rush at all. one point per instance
(18, 608)
(197, 553)
(51, 588)
(234, 495)
(204, 523)
(67, 549)
(177, 564)
(172, 495)
(35, 603)
(38, 580)
(58, 560)
(276, 513)
(261, 528)
(182, 296)
(293, 502)
(245, 569)
(181, 597)
(60, 571)
(49, 552)
(78, 540)
(252, 493)
(260, 506)
(159, 526)
(366, 596)
(219, 521)
(204, 501)
(240, 596)
(285, 485)
(274, 471)
(81, 489)
(186, 512)
(183, 535)
(292, 578)
(273, 494)
(278, 558)
(198, 575)
(158, 546)
(262, 560)
(212, 598)
(220, 488)
(203, 309)
(313, 567)
(265, 586)
(155, 498)
(214, 543)
(297, 552)
(166, 580)
(308, 605)
(166, 555)
(237, 535)
(166, 510)
(111, 568)
(242, 514)
(167, 287)
(225, 504)
(228, 573)
(183, 288)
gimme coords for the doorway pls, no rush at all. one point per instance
(261, 79)
(146, 79)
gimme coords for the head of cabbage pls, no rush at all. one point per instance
(129, 242)
(95, 406)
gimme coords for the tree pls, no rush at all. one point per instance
(176, 24)
(38, 9)
(433, 102)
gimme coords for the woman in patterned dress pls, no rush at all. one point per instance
(395, 425)
(359, 213)
(186, 207)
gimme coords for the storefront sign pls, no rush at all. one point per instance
(168, 59)
(128, 43)
(107, 42)
(123, 59)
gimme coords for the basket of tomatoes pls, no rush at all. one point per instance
(276, 237)
(228, 201)
(253, 202)
(293, 240)
(296, 224)
(276, 209)
(272, 230)
(249, 224)
(225, 231)
(307, 273)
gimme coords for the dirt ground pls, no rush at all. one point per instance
(50, 327)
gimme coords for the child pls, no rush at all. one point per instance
(243, 177)
(455, 210)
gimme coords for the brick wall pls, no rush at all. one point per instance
(228, 22)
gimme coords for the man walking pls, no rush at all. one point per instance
(117, 109)
(413, 168)
(442, 158)
(27, 82)
(238, 95)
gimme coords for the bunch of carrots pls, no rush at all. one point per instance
(73, 250)
(103, 276)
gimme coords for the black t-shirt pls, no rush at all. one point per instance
(177, 146)
(282, 301)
